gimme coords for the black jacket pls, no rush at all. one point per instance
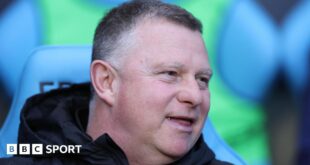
(59, 117)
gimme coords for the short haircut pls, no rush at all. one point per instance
(113, 31)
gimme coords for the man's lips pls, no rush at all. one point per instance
(186, 121)
(182, 123)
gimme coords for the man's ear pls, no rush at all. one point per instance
(103, 76)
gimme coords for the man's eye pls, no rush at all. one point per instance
(170, 73)
(203, 82)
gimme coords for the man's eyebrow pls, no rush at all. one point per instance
(170, 65)
(177, 65)
(207, 72)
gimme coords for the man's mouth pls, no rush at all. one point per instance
(182, 120)
(182, 123)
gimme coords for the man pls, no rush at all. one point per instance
(149, 99)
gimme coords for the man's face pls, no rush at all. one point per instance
(163, 96)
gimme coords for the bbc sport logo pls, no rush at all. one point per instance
(38, 149)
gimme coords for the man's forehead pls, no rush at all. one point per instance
(160, 42)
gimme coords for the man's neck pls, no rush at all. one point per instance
(98, 120)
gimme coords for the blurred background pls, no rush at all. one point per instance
(259, 51)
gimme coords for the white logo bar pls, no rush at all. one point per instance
(37, 149)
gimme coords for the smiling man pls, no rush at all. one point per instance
(151, 92)
(156, 99)
(149, 95)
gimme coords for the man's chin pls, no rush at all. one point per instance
(175, 144)
(177, 151)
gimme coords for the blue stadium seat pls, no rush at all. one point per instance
(47, 68)
(248, 56)
(53, 65)
(20, 33)
(296, 46)
(219, 146)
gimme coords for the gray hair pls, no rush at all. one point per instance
(114, 32)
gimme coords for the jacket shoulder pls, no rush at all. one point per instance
(16, 161)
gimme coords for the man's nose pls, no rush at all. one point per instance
(190, 93)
